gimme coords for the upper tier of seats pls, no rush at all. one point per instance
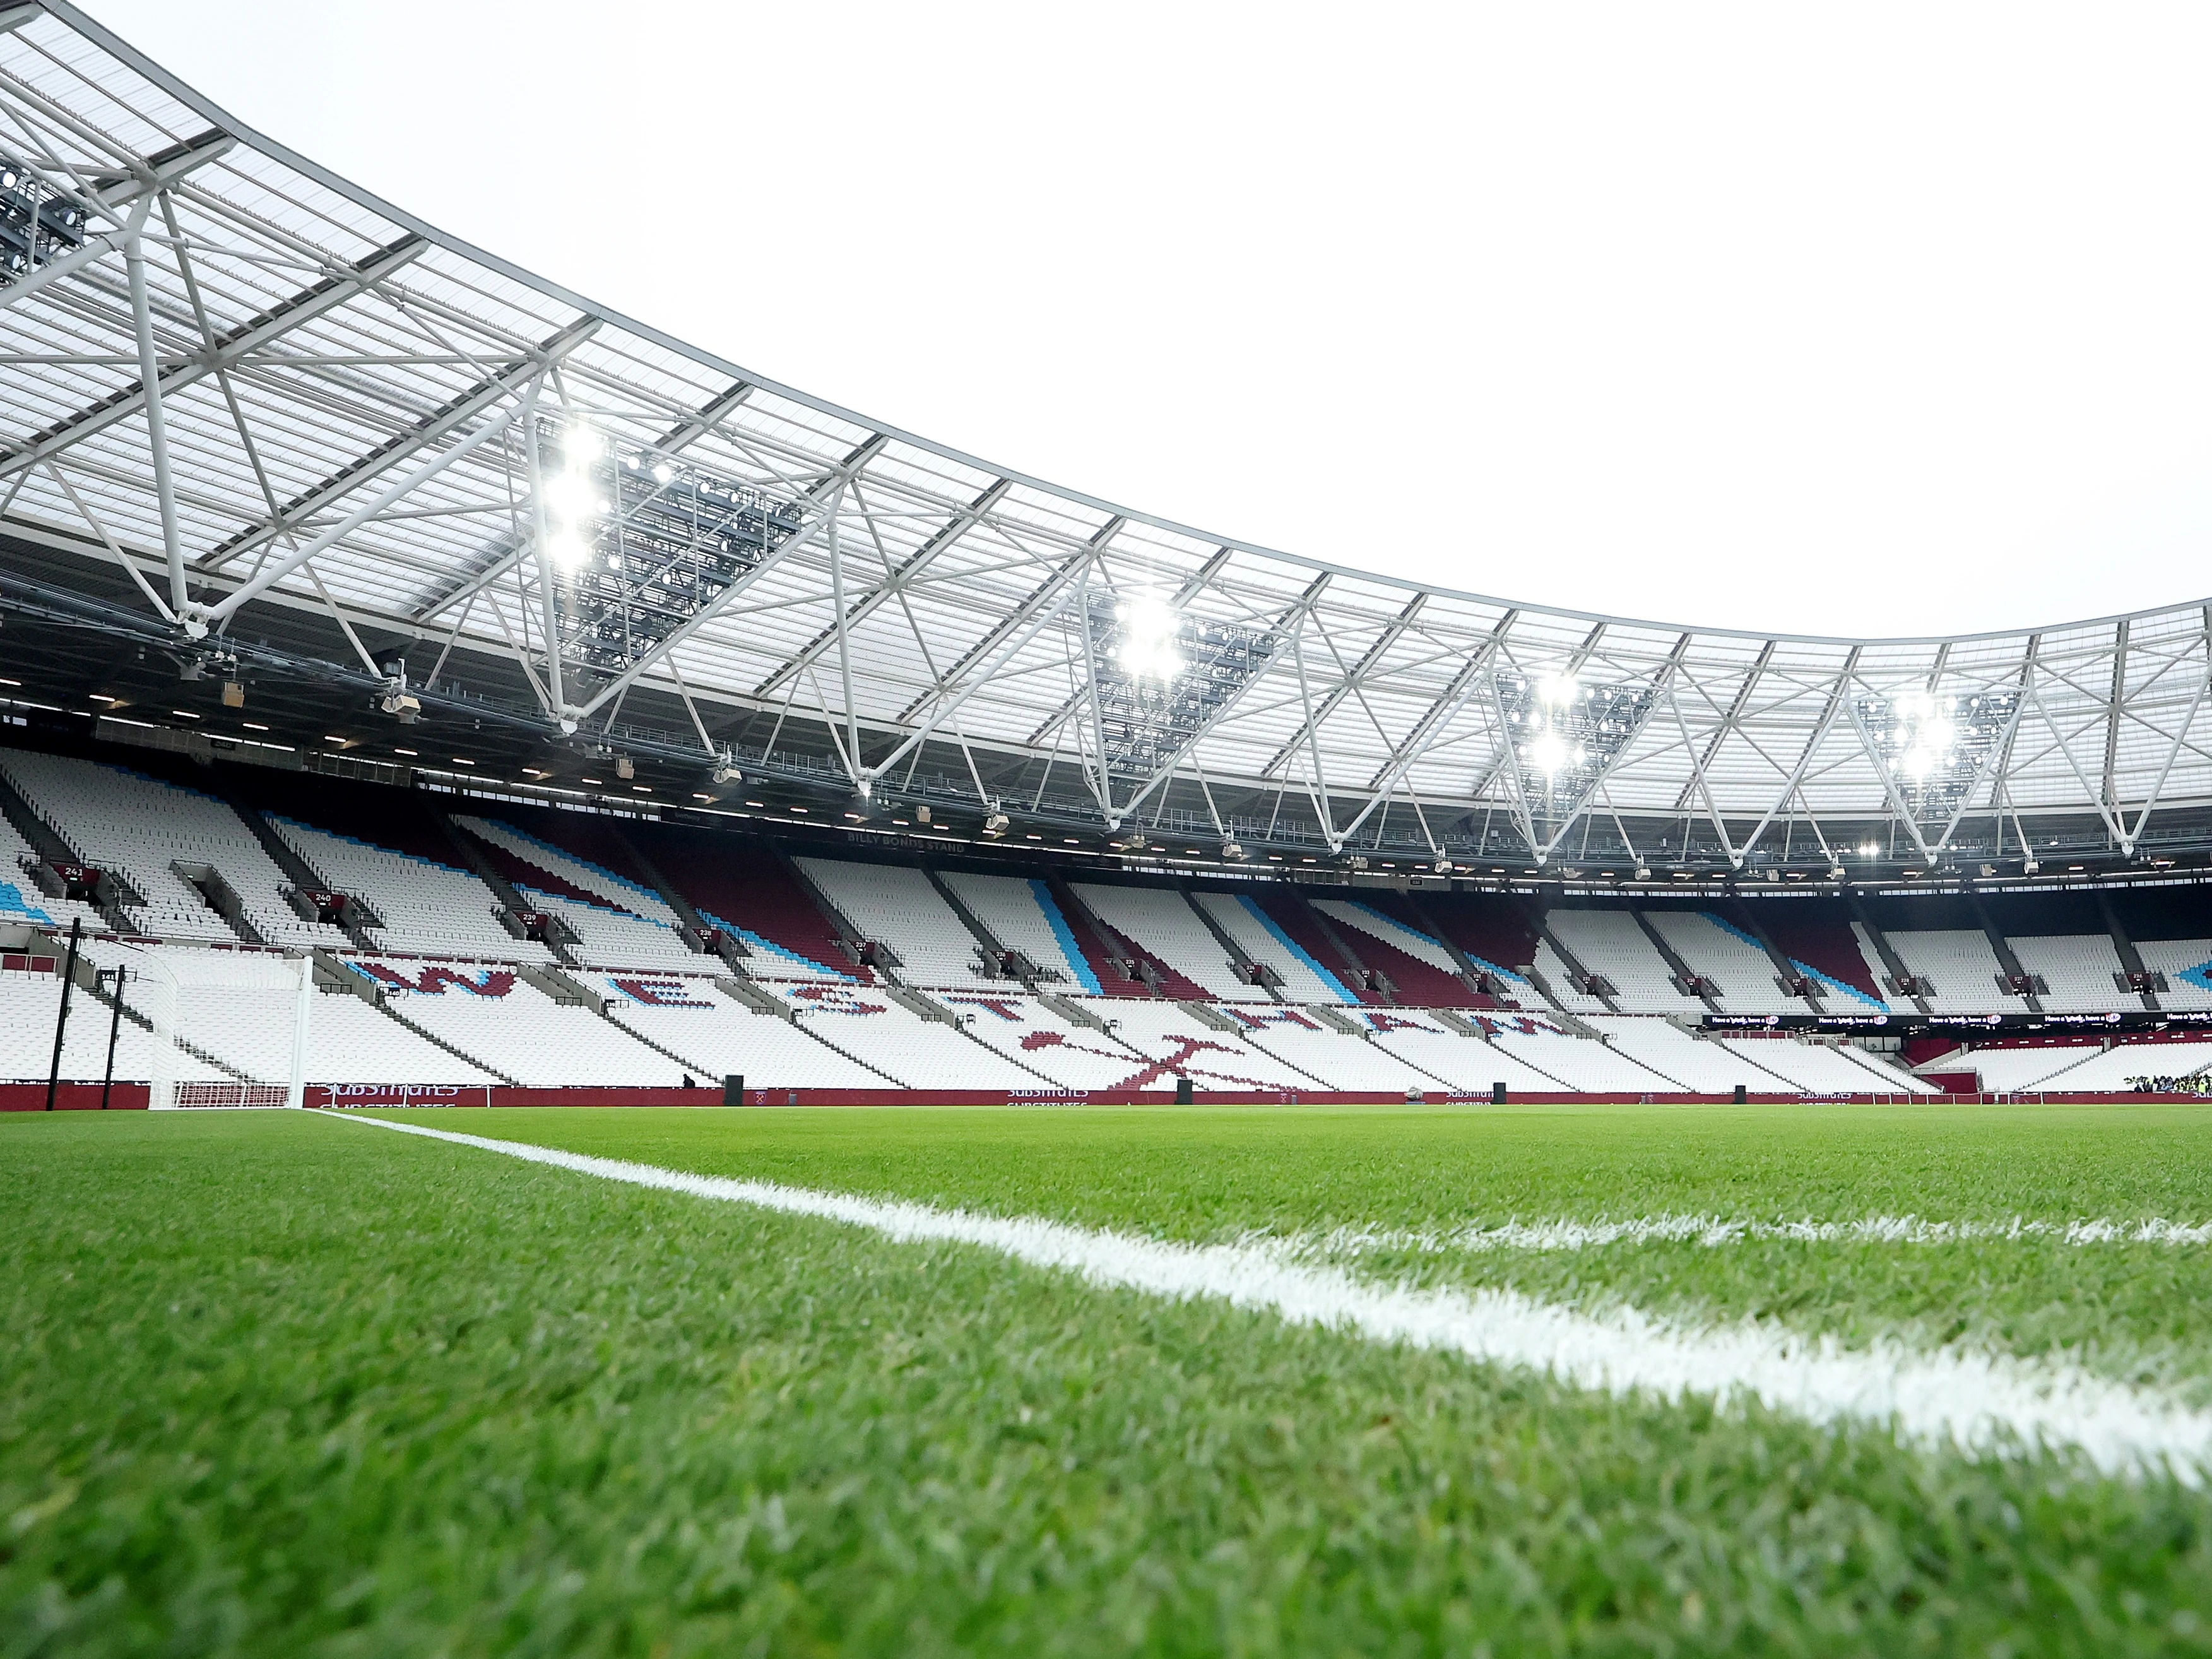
(162, 839)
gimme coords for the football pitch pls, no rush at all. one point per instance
(1250, 1380)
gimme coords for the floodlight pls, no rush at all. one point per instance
(1557, 691)
(662, 472)
(2029, 867)
(1550, 752)
(1135, 842)
(567, 548)
(1149, 628)
(995, 824)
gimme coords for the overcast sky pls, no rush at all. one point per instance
(1831, 319)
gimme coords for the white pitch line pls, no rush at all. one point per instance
(1713, 1231)
(1981, 1402)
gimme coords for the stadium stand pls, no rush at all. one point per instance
(1304, 1039)
(162, 838)
(1295, 924)
(2118, 1066)
(745, 890)
(1821, 941)
(1023, 1029)
(29, 1005)
(1021, 913)
(878, 1030)
(421, 906)
(1819, 1068)
(494, 1015)
(22, 901)
(1178, 1043)
(1158, 922)
(1577, 1063)
(237, 1005)
(896, 906)
(718, 1037)
(1609, 944)
(1419, 964)
(1491, 931)
(2187, 965)
(1727, 957)
(617, 921)
(1682, 1060)
(1260, 937)
(1957, 968)
(2080, 972)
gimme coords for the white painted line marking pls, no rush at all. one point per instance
(1984, 1403)
(1713, 1231)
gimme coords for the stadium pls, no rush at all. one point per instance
(430, 697)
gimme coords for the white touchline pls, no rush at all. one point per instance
(1715, 1230)
(1980, 1401)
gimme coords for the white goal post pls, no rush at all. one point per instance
(179, 1078)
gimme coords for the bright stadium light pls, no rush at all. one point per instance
(1149, 627)
(1553, 753)
(567, 549)
(1557, 691)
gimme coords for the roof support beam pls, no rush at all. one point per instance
(157, 431)
(421, 475)
(1344, 687)
(1431, 725)
(844, 621)
(509, 383)
(162, 169)
(247, 338)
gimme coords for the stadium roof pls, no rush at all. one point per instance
(253, 390)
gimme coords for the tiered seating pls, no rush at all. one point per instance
(1304, 977)
(618, 921)
(1609, 943)
(1023, 1028)
(1688, 1062)
(2113, 1067)
(1424, 970)
(2027, 1067)
(1156, 921)
(1821, 1069)
(1490, 930)
(21, 899)
(421, 906)
(1827, 947)
(2082, 970)
(138, 827)
(238, 1005)
(719, 1038)
(1335, 1060)
(1302, 927)
(1556, 975)
(1427, 1043)
(1960, 966)
(1731, 960)
(606, 937)
(492, 1014)
(2187, 965)
(919, 1053)
(899, 907)
(1576, 1062)
(1179, 1044)
(30, 1002)
(749, 894)
(1021, 915)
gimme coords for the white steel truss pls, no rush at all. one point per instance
(250, 383)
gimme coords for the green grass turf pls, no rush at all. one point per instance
(274, 1385)
(1210, 1174)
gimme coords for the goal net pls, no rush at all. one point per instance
(204, 1028)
